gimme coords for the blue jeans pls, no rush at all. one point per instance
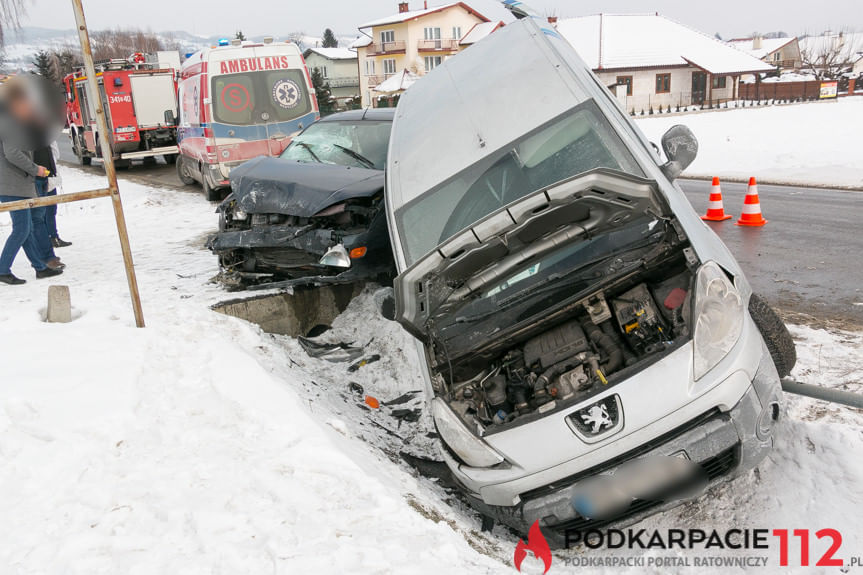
(21, 236)
(40, 223)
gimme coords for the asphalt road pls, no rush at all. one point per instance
(807, 261)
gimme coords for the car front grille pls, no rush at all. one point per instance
(715, 467)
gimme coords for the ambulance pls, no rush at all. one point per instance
(240, 100)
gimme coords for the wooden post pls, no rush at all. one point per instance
(107, 158)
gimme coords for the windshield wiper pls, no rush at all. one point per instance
(359, 157)
(308, 148)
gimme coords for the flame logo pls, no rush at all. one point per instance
(536, 544)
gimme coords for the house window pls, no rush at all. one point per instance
(432, 62)
(776, 57)
(370, 67)
(628, 81)
(719, 82)
(390, 66)
(456, 32)
(432, 33)
(388, 37)
(322, 70)
(663, 83)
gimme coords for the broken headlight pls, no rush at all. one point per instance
(472, 450)
(718, 318)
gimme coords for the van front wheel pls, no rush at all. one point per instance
(776, 335)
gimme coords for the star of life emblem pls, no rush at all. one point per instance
(286, 93)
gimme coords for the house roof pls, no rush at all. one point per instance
(850, 45)
(397, 82)
(768, 45)
(631, 41)
(480, 31)
(360, 42)
(413, 14)
(333, 53)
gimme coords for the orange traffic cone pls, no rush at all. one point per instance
(751, 215)
(715, 210)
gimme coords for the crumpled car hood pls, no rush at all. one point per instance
(274, 186)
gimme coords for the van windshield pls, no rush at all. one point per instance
(262, 97)
(574, 143)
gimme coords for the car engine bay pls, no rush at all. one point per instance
(609, 336)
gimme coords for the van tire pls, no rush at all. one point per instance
(183, 171)
(776, 335)
(212, 194)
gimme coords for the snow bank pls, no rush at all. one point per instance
(201, 445)
(814, 143)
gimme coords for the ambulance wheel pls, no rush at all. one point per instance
(212, 194)
(183, 171)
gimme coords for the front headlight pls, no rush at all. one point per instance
(472, 450)
(718, 318)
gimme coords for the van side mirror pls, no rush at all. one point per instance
(169, 117)
(681, 147)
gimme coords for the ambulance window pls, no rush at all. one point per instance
(234, 99)
(288, 95)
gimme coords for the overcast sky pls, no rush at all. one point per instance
(280, 17)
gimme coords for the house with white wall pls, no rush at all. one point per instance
(338, 67)
(653, 62)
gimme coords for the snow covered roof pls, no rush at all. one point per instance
(360, 42)
(628, 41)
(397, 82)
(768, 45)
(412, 14)
(479, 32)
(850, 45)
(334, 53)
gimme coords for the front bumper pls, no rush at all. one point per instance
(725, 438)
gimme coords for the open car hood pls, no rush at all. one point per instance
(493, 248)
(274, 186)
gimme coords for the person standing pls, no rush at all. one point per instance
(43, 216)
(54, 183)
(18, 120)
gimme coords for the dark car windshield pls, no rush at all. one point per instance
(575, 142)
(264, 97)
(361, 144)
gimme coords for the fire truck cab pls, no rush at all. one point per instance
(139, 96)
(240, 100)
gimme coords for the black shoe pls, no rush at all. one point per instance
(58, 243)
(47, 273)
(11, 280)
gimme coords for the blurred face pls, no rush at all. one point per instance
(22, 109)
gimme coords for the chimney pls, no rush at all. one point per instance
(756, 43)
(403, 7)
(552, 20)
(426, 5)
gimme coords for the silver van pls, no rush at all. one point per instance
(573, 315)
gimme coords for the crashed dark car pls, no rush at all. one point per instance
(313, 216)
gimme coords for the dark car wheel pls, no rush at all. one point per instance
(776, 335)
(183, 171)
(212, 194)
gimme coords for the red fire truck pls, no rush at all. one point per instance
(139, 96)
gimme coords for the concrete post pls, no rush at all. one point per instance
(59, 305)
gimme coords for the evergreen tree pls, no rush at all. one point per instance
(322, 92)
(330, 39)
(42, 62)
(239, 35)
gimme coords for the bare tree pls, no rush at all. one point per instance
(828, 56)
(122, 42)
(11, 12)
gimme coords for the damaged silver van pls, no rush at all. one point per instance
(573, 314)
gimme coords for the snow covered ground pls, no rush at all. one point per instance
(813, 143)
(202, 445)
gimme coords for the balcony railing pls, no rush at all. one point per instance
(343, 82)
(448, 45)
(386, 48)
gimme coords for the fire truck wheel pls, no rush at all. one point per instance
(76, 149)
(183, 172)
(170, 158)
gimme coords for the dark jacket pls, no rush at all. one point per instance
(17, 168)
